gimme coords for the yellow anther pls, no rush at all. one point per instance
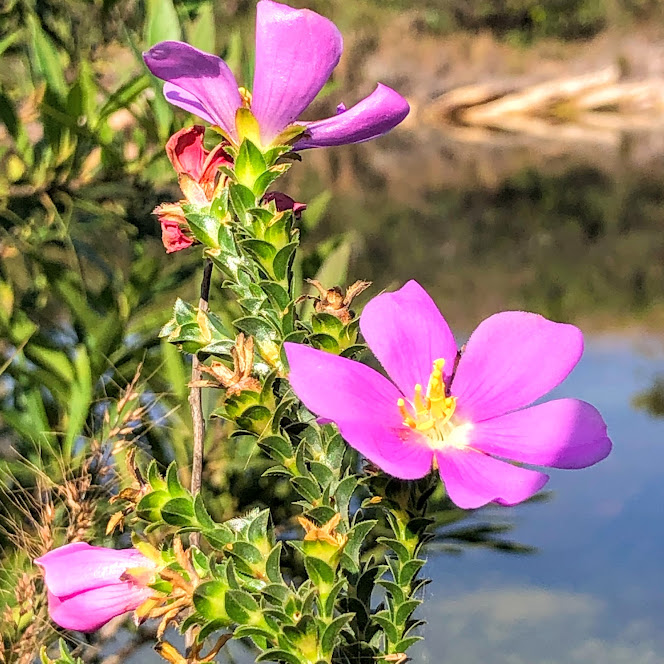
(418, 401)
(433, 409)
(245, 95)
(407, 419)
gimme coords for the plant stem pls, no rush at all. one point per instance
(196, 401)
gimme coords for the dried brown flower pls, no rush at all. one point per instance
(333, 301)
(240, 378)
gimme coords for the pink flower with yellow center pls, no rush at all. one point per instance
(296, 51)
(89, 585)
(463, 414)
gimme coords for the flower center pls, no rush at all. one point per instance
(431, 412)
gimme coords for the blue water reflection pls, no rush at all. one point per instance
(593, 592)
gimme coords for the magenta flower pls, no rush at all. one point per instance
(463, 422)
(88, 585)
(296, 51)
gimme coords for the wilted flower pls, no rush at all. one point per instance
(456, 413)
(89, 585)
(296, 51)
(198, 176)
(284, 202)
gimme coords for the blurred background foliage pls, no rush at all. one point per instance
(85, 284)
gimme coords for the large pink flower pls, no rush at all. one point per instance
(296, 51)
(87, 585)
(463, 421)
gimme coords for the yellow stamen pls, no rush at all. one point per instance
(407, 419)
(430, 413)
(245, 95)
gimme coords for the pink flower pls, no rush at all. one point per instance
(461, 421)
(87, 585)
(296, 51)
(198, 176)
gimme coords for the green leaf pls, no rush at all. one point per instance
(277, 447)
(178, 512)
(149, 507)
(277, 294)
(404, 611)
(307, 488)
(332, 631)
(262, 250)
(383, 619)
(408, 572)
(322, 473)
(241, 606)
(210, 600)
(242, 200)
(276, 655)
(264, 180)
(46, 58)
(211, 627)
(247, 556)
(256, 327)
(405, 644)
(154, 478)
(282, 261)
(250, 164)
(397, 547)
(202, 515)
(81, 98)
(162, 22)
(332, 596)
(319, 571)
(201, 32)
(273, 565)
(219, 536)
(204, 227)
(124, 96)
(80, 398)
(251, 631)
(258, 528)
(174, 487)
(394, 589)
(344, 492)
(325, 342)
(356, 536)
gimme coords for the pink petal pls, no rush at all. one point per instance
(363, 404)
(337, 388)
(182, 99)
(87, 611)
(186, 151)
(205, 79)
(407, 333)
(473, 479)
(79, 567)
(370, 118)
(566, 433)
(296, 51)
(510, 360)
(398, 451)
